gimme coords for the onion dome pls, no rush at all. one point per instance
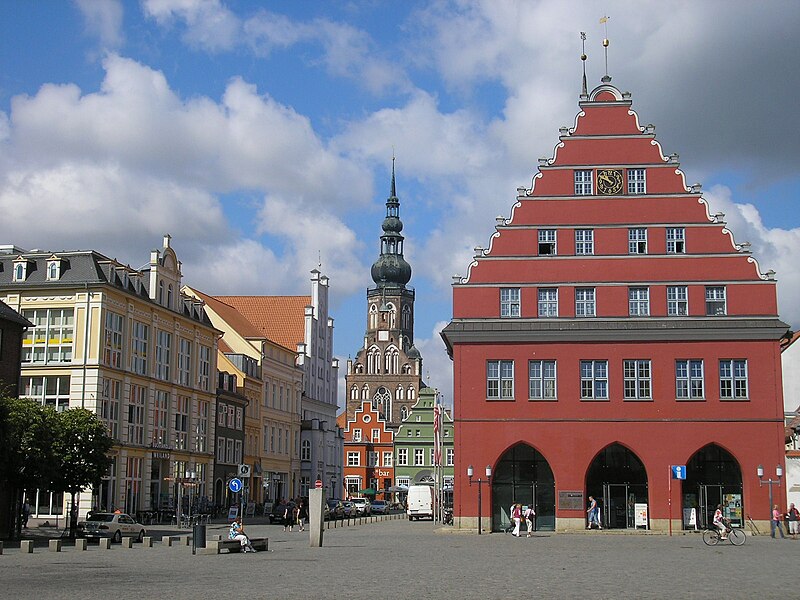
(391, 269)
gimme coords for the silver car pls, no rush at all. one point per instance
(113, 525)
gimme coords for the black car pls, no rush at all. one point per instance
(278, 510)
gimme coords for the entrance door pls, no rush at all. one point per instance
(617, 506)
(710, 496)
(522, 475)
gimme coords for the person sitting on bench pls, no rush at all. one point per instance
(237, 533)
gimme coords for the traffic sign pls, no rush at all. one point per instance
(679, 471)
(244, 470)
(318, 484)
(235, 485)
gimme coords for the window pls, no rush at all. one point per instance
(52, 390)
(715, 301)
(222, 413)
(201, 429)
(500, 379)
(639, 302)
(356, 435)
(53, 269)
(433, 456)
(402, 456)
(112, 354)
(547, 242)
(584, 302)
(542, 379)
(229, 451)
(406, 481)
(50, 338)
(583, 182)
(419, 456)
(184, 362)
(305, 450)
(109, 409)
(636, 376)
(239, 417)
(509, 302)
(353, 459)
(594, 379)
(237, 452)
(387, 459)
(161, 418)
(182, 423)
(372, 459)
(637, 240)
(636, 181)
(450, 456)
(689, 379)
(584, 241)
(19, 271)
(163, 348)
(732, 379)
(677, 301)
(204, 368)
(231, 424)
(403, 413)
(548, 302)
(376, 436)
(136, 414)
(676, 240)
(139, 336)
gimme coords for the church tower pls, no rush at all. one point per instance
(387, 369)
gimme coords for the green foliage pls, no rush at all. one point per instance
(82, 445)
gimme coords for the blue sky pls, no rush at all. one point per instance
(260, 134)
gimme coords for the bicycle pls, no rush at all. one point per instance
(712, 536)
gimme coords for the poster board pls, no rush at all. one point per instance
(233, 512)
(640, 515)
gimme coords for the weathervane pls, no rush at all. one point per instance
(604, 22)
(319, 259)
(584, 91)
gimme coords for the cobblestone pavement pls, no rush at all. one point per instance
(415, 560)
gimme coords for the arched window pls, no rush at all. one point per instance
(392, 316)
(169, 296)
(403, 413)
(406, 317)
(406, 369)
(374, 361)
(19, 272)
(400, 393)
(382, 402)
(365, 392)
(391, 360)
(161, 292)
(354, 392)
(411, 394)
(373, 316)
(52, 270)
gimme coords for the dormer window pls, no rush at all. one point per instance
(53, 270)
(20, 270)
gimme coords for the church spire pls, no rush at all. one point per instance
(391, 269)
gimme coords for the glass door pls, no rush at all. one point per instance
(616, 513)
(710, 496)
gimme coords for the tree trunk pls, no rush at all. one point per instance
(73, 517)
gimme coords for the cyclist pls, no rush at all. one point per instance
(719, 523)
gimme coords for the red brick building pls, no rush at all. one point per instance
(612, 329)
(368, 451)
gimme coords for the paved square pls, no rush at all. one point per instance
(399, 559)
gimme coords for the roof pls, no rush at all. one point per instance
(278, 318)
(230, 315)
(9, 314)
(786, 342)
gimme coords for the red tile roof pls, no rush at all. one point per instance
(281, 319)
(230, 315)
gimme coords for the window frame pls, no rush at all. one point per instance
(503, 388)
(582, 304)
(637, 379)
(731, 382)
(691, 379)
(639, 301)
(717, 299)
(676, 240)
(584, 242)
(675, 301)
(583, 180)
(637, 181)
(510, 303)
(637, 240)
(547, 383)
(591, 381)
(547, 307)
(547, 239)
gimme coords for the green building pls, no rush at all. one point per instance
(414, 453)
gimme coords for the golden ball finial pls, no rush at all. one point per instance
(605, 42)
(583, 57)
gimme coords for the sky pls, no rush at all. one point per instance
(260, 135)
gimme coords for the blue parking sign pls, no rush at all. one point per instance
(679, 471)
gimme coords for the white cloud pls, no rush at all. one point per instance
(209, 24)
(103, 18)
(436, 362)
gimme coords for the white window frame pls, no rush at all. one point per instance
(637, 181)
(548, 242)
(509, 303)
(547, 302)
(450, 454)
(500, 379)
(716, 300)
(387, 458)
(677, 301)
(637, 376)
(689, 379)
(163, 354)
(676, 240)
(585, 303)
(637, 240)
(419, 457)
(584, 242)
(357, 435)
(594, 379)
(542, 380)
(353, 458)
(140, 334)
(113, 340)
(584, 182)
(733, 379)
(402, 456)
(639, 301)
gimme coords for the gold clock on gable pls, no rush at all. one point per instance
(609, 181)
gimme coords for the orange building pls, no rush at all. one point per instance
(368, 450)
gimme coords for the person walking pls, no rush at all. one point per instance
(529, 514)
(302, 515)
(793, 516)
(775, 523)
(288, 517)
(26, 514)
(516, 516)
(594, 513)
(237, 533)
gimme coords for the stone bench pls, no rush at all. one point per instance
(217, 546)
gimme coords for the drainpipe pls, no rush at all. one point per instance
(85, 346)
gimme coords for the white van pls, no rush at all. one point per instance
(419, 502)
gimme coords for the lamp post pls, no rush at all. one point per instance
(770, 482)
(480, 482)
(189, 482)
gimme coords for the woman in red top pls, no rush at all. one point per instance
(775, 523)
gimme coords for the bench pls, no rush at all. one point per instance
(217, 546)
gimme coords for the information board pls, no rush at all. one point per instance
(570, 500)
(640, 515)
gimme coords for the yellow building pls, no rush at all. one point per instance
(276, 464)
(129, 345)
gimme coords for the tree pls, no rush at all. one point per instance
(82, 446)
(27, 432)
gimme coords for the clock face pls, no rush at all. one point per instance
(609, 181)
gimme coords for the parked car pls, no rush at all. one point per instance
(335, 509)
(111, 525)
(379, 507)
(363, 506)
(349, 508)
(278, 510)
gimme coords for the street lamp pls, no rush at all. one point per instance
(189, 481)
(480, 482)
(770, 482)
